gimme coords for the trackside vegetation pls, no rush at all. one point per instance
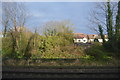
(55, 46)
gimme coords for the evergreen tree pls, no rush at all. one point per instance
(117, 27)
(109, 22)
(117, 31)
(101, 33)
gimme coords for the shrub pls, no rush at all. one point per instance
(63, 52)
(6, 47)
(114, 48)
(58, 47)
(88, 57)
(97, 51)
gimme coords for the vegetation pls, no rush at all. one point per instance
(84, 61)
(101, 33)
(104, 19)
(113, 34)
(20, 44)
(98, 52)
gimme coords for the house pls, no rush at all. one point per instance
(100, 39)
(88, 38)
(80, 38)
(91, 37)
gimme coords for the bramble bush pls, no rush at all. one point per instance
(58, 47)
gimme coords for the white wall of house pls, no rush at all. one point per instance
(106, 39)
(77, 40)
(92, 40)
(100, 40)
(84, 40)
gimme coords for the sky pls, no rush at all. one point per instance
(76, 12)
(0, 17)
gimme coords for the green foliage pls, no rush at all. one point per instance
(101, 33)
(117, 33)
(58, 47)
(114, 41)
(9, 42)
(31, 45)
(98, 52)
(6, 47)
(108, 46)
(57, 36)
(109, 22)
(28, 48)
(65, 52)
(113, 32)
(87, 57)
(117, 27)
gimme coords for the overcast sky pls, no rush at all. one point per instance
(76, 12)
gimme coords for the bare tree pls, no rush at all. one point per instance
(52, 28)
(14, 19)
(14, 15)
(107, 15)
(98, 16)
(5, 18)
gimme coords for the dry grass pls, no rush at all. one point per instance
(76, 62)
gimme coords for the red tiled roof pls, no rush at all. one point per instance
(90, 36)
(79, 35)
